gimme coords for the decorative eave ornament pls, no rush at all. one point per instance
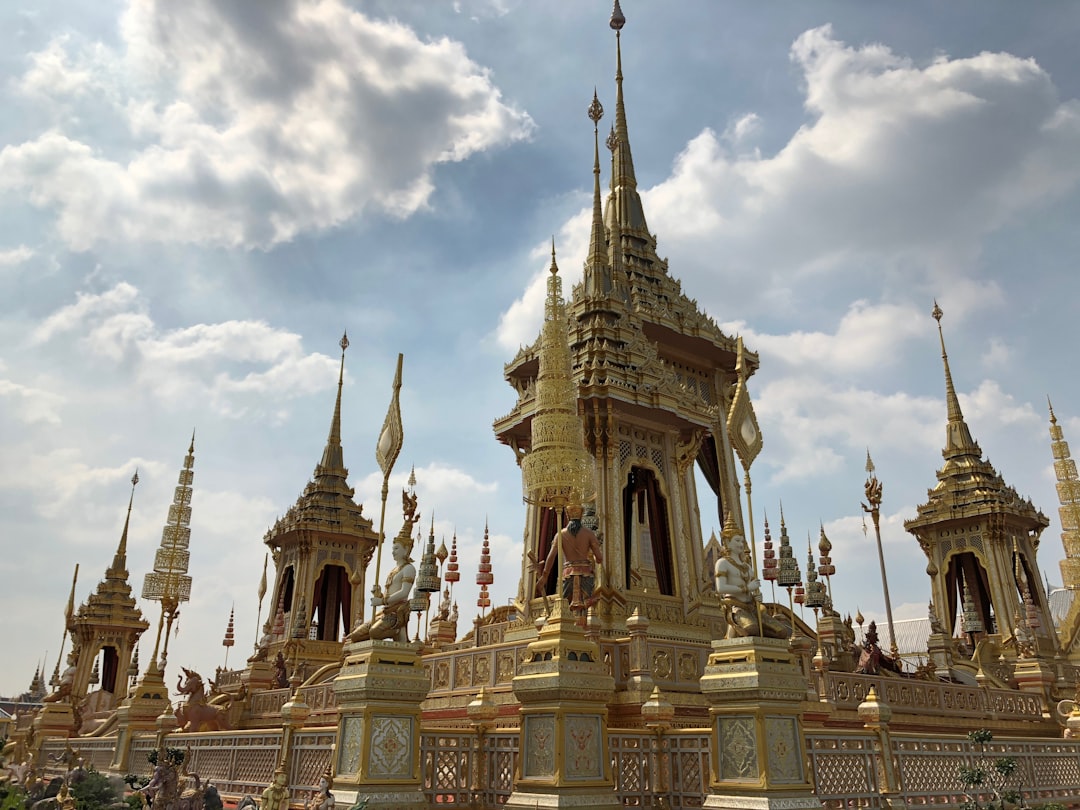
(742, 424)
(392, 435)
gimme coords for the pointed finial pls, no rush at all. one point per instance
(596, 109)
(554, 267)
(344, 342)
(412, 481)
(958, 439)
(781, 513)
(618, 20)
(612, 140)
(191, 447)
(1050, 405)
(869, 463)
(120, 558)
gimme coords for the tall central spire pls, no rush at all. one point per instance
(958, 439)
(627, 203)
(333, 461)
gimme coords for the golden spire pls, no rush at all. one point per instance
(628, 207)
(119, 565)
(557, 470)
(169, 582)
(1068, 488)
(333, 461)
(958, 440)
(615, 247)
(597, 280)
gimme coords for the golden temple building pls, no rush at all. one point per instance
(649, 670)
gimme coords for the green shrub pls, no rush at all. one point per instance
(93, 792)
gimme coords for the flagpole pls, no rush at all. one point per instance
(386, 453)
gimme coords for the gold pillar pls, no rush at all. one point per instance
(755, 686)
(564, 690)
(379, 690)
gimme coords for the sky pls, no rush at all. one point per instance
(197, 199)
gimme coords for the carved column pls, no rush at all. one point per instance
(564, 691)
(875, 715)
(379, 690)
(755, 686)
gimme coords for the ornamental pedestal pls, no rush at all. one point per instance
(379, 690)
(1032, 675)
(755, 686)
(564, 690)
(139, 711)
(54, 720)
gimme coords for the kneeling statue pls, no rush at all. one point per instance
(740, 592)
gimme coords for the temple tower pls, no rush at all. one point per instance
(980, 539)
(655, 377)
(106, 628)
(321, 547)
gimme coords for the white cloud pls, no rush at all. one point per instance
(237, 367)
(811, 421)
(15, 256)
(868, 336)
(86, 307)
(997, 355)
(898, 162)
(990, 407)
(232, 148)
(31, 405)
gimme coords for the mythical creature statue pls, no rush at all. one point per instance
(197, 714)
(67, 680)
(392, 621)
(582, 553)
(740, 593)
(163, 789)
(872, 659)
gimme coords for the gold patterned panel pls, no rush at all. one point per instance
(661, 664)
(463, 672)
(583, 746)
(442, 674)
(352, 738)
(391, 746)
(539, 760)
(738, 747)
(505, 667)
(688, 667)
(482, 672)
(782, 750)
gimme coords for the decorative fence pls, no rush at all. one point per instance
(460, 767)
(906, 696)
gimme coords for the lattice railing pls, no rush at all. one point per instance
(928, 767)
(459, 767)
(844, 770)
(689, 780)
(448, 762)
(240, 763)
